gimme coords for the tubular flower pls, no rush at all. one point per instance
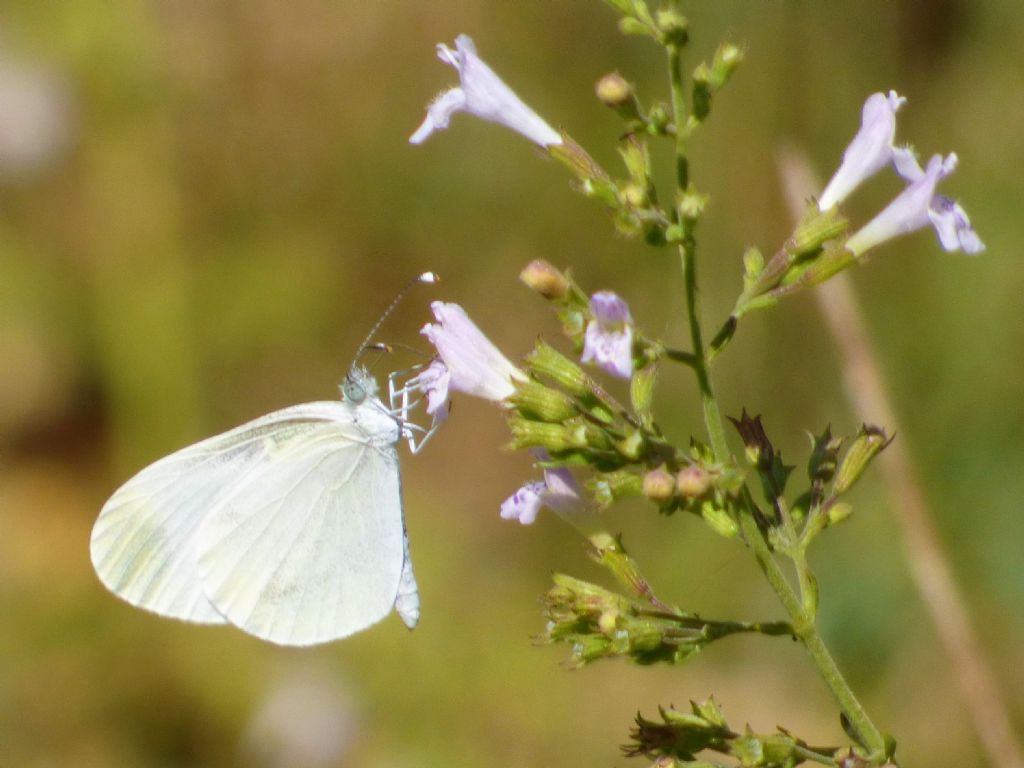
(559, 492)
(947, 216)
(917, 206)
(467, 360)
(482, 93)
(869, 152)
(608, 340)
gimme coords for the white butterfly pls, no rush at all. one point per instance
(290, 527)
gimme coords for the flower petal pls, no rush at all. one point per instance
(439, 113)
(869, 152)
(523, 505)
(608, 340)
(475, 366)
(483, 94)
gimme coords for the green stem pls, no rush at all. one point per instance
(861, 724)
(688, 258)
(803, 624)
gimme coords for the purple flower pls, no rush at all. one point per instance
(468, 361)
(917, 206)
(481, 93)
(559, 492)
(608, 340)
(869, 152)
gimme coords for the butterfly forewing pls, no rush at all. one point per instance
(143, 543)
(310, 549)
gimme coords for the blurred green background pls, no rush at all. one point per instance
(204, 206)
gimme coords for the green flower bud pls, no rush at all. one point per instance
(753, 265)
(548, 362)
(527, 433)
(719, 519)
(660, 117)
(659, 486)
(641, 393)
(632, 446)
(545, 279)
(609, 486)
(693, 481)
(868, 443)
(727, 58)
(542, 403)
(815, 230)
(691, 204)
(634, 195)
(839, 512)
(824, 456)
(674, 28)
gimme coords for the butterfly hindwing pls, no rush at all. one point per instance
(310, 548)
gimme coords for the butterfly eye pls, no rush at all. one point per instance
(353, 391)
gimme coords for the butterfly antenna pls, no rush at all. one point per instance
(426, 277)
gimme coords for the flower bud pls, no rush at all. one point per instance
(727, 58)
(632, 446)
(868, 443)
(545, 279)
(549, 363)
(693, 481)
(609, 486)
(634, 195)
(537, 434)
(839, 512)
(815, 230)
(536, 401)
(674, 28)
(659, 486)
(824, 456)
(719, 519)
(660, 117)
(614, 91)
(691, 204)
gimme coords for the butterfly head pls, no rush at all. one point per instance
(358, 385)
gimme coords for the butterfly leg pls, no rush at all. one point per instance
(403, 397)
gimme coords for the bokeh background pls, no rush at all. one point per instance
(205, 205)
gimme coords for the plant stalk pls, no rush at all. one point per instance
(804, 624)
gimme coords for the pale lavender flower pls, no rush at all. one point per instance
(433, 382)
(468, 361)
(559, 492)
(869, 152)
(608, 340)
(917, 206)
(524, 505)
(482, 93)
(947, 216)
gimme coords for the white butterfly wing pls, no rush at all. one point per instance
(143, 543)
(311, 548)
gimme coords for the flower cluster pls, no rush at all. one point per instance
(544, 418)
(873, 149)
(820, 247)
